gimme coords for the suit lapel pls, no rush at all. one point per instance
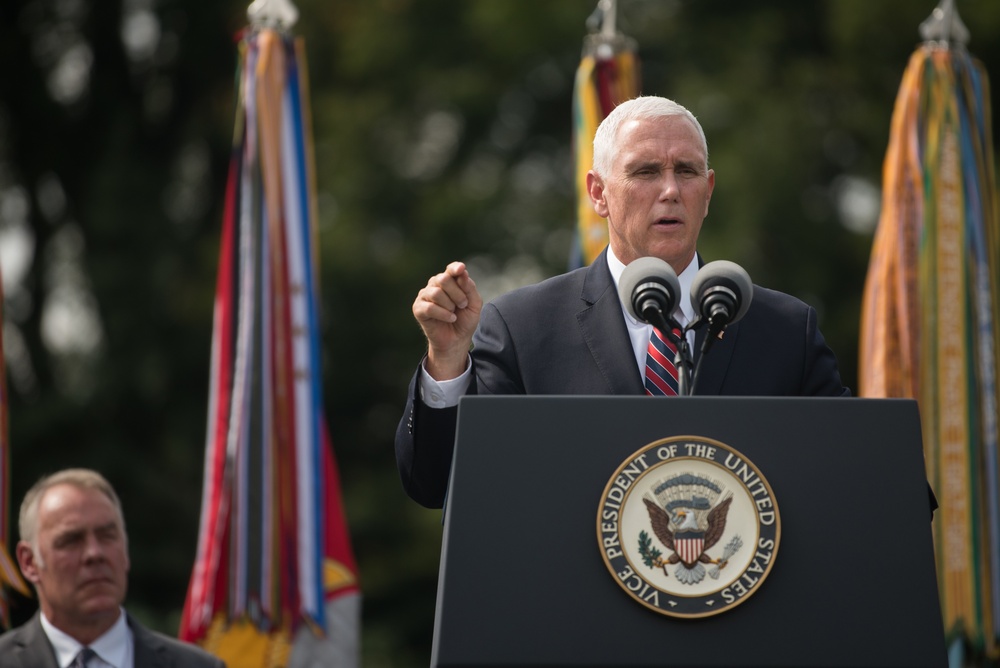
(146, 646)
(35, 650)
(716, 362)
(603, 328)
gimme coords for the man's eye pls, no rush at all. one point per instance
(68, 541)
(109, 535)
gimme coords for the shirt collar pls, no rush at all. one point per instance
(112, 647)
(686, 279)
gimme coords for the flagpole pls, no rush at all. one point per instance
(609, 12)
(607, 75)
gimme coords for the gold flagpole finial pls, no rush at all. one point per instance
(944, 26)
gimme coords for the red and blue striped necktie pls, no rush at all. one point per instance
(661, 374)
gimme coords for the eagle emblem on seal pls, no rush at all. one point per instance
(687, 513)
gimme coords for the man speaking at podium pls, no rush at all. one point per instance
(571, 334)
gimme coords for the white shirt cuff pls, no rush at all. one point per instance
(443, 393)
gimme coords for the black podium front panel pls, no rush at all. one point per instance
(523, 583)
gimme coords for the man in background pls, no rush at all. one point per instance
(74, 550)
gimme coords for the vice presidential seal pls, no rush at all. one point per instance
(688, 527)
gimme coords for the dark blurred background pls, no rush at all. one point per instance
(442, 131)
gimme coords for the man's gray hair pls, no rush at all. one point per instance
(638, 108)
(82, 478)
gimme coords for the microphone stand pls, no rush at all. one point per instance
(684, 357)
(687, 371)
(682, 360)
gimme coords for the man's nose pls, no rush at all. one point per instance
(93, 548)
(669, 189)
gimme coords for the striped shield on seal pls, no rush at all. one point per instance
(689, 546)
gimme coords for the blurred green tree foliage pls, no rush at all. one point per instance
(442, 131)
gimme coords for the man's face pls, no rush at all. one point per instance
(80, 571)
(657, 193)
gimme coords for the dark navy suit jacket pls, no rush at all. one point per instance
(566, 335)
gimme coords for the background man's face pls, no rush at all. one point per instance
(80, 571)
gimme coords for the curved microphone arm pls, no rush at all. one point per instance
(682, 360)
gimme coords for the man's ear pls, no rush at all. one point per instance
(711, 189)
(26, 560)
(595, 188)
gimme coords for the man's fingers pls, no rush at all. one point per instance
(424, 310)
(439, 297)
(457, 269)
(463, 280)
(452, 288)
(448, 307)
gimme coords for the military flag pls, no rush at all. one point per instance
(929, 328)
(274, 583)
(607, 75)
(10, 575)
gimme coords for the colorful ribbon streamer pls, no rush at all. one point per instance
(274, 552)
(929, 320)
(10, 575)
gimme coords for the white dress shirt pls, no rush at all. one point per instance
(446, 393)
(114, 649)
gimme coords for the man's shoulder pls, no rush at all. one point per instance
(771, 301)
(10, 636)
(557, 287)
(25, 645)
(179, 647)
(20, 635)
(184, 653)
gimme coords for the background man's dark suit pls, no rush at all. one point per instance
(28, 647)
(567, 335)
